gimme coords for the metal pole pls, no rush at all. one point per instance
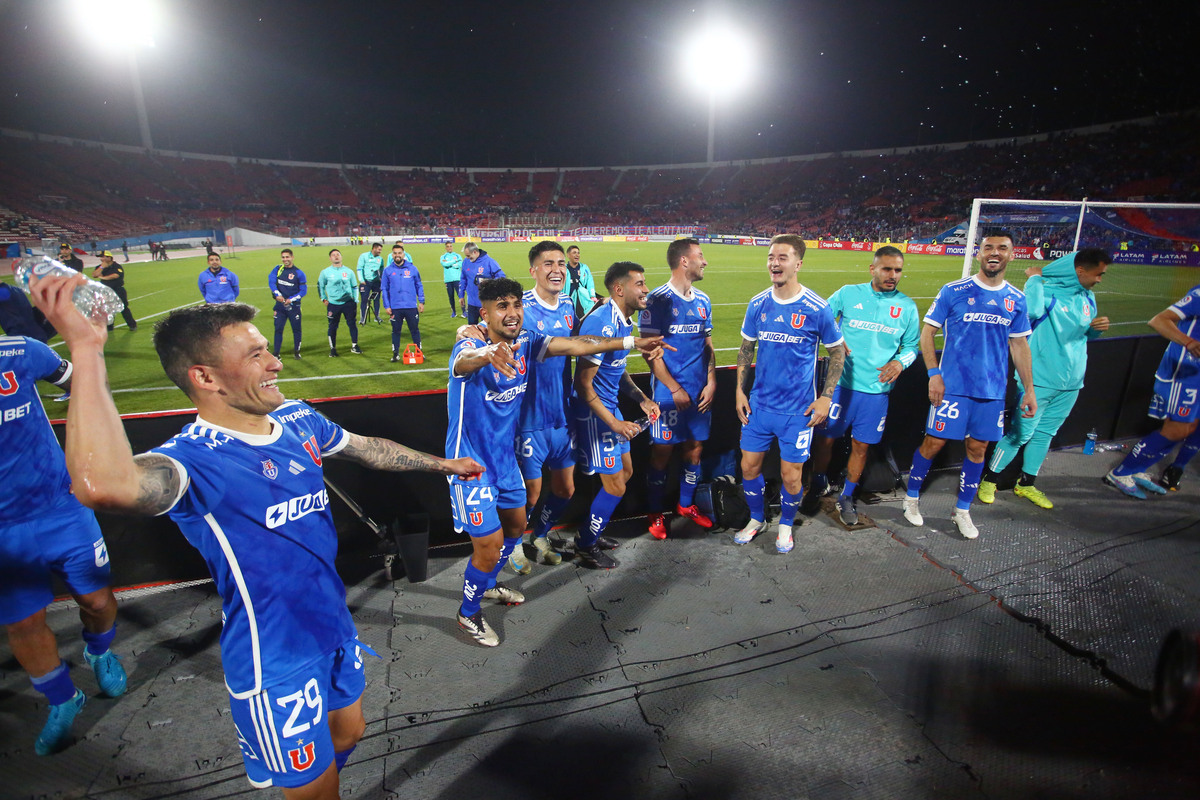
(712, 122)
(140, 100)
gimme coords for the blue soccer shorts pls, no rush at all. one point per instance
(473, 505)
(959, 417)
(1175, 400)
(675, 427)
(862, 413)
(552, 447)
(790, 430)
(284, 729)
(598, 450)
(66, 542)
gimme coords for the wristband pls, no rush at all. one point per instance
(936, 371)
(627, 342)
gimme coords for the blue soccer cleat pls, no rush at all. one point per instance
(1125, 485)
(110, 675)
(1144, 481)
(57, 731)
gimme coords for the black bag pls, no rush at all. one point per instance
(881, 474)
(729, 504)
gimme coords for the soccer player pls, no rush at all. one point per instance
(882, 329)
(288, 286)
(337, 285)
(218, 284)
(112, 275)
(477, 268)
(370, 266)
(983, 319)
(403, 297)
(1062, 313)
(451, 275)
(582, 286)
(488, 381)
(1176, 402)
(244, 484)
(683, 381)
(602, 435)
(47, 531)
(790, 320)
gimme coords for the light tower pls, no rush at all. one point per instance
(718, 61)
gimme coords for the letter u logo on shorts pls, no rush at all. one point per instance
(476, 518)
(610, 462)
(939, 426)
(302, 757)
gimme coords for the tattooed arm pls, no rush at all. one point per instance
(818, 410)
(745, 359)
(386, 455)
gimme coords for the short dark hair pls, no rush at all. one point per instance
(498, 288)
(619, 272)
(791, 239)
(397, 244)
(1092, 257)
(189, 336)
(334, 250)
(998, 233)
(376, 244)
(544, 246)
(889, 250)
(287, 250)
(572, 247)
(678, 248)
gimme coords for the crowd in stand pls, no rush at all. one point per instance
(101, 193)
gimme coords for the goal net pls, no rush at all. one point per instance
(1155, 248)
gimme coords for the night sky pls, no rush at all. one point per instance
(584, 83)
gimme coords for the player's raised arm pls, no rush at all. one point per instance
(384, 454)
(1166, 324)
(651, 347)
(497, 354)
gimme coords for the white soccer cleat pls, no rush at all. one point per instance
(912, 511)
(747, 534)
(783, 541)
(962, 518)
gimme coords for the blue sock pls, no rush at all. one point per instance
(687, 486)
(656, 486)
(551, 510)
(788, 503)
(753, 489)
(848, 489)
(505, 552)
(56, 684)
(1188, 449)
(341, 757)
(98, 643)
(917, 472)
(475, 581)
(602, 510)
(1144, 454)
(968, 483)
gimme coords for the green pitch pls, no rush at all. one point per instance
(1130, 295)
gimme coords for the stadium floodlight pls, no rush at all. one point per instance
(130, 23)
(718, 61)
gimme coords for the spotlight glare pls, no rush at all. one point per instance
(719, 60)
(125, 22)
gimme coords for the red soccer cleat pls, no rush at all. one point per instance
(693, 513)
(658, 526)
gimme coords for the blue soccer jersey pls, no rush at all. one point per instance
(685, 323)
(1178, 365)
(787, 332)
(484, 408)
(33, 471)
(256, 508)
(545, 404)
(977, 321)
(606, 320)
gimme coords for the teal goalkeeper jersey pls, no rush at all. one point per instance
(370, 267)
(878, 327)
(451, 267)
(338, 284)
(1061, 313)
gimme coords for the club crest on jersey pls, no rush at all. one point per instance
(702, 312)
(541, 325)
(302, 757)
(570, 320)
(269, 469)
(675, 312)
(8, 383)
(970, 301)
(314, 452)
(895, 312)
(1009, 304)
(521, 364)
(798, 320)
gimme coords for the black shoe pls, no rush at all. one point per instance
(1171, 477)
(607, 543)
(395, 356)
(276, 354)
(593, 557)
(296, 355)
(354, 348)
(333, 352)
(133, 327)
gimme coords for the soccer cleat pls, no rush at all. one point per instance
(658, 526)
(478, 629)
(354, 348)
(276, 354)
(987, 492)
(693, 513)
(747, 534)
(783, 540)
(593, 557)
(1144, 480)
(962, 518)
(502, 594)
(1125, 485)
(57, 730)
(395, 356)
(607, 543)
(517, 561)
(546, 552)
(110, 675)
(1033, 495)
(1171, 477)
(453, 314)
(333, 352)
(847, 512)
(912, 511)
(296, 354)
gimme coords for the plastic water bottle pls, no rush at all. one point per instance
(90, 298)
(643, 424)
(1089, 445)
